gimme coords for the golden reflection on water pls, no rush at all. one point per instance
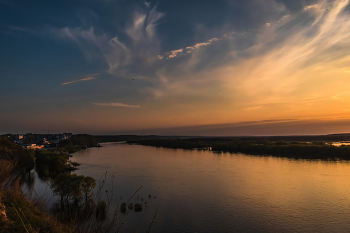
(205, 192)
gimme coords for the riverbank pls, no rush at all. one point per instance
(21, 215)
(17, 213)
(212, 188)
(297, 150)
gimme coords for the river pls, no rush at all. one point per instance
(203, 191)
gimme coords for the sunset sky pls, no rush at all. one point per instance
(223, 67)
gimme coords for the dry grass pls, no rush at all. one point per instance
(29, 214)
(6, 170)
(24, 216)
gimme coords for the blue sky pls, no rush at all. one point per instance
(138, 66)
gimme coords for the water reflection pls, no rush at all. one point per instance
(202, 191)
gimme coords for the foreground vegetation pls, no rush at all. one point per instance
(22, 215)
(17, 214)
(78, 209)
(299, 150)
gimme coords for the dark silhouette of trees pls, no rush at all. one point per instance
(50, 164)
(14, 157)
(60, 187)
(84, 139)
(87, 186)
(101, 210)
(299, 150)
(71, 187)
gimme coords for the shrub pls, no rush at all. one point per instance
(138, 207)
(123, 207)
(101, 210)
(75, 164)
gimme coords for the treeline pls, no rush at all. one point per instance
(174, 143)
(77, 205)
(17, 213)
(76, 198)
(48, 163)
(14, 157)
(290, 150)
(299, 150)
(78, 209)
(94, 140)
(20, 215)
(78, 141)
(120, 138)
(85, 140)
(51, 163)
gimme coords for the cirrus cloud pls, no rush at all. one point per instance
(187, 50)
(116, 105)
(78, 80)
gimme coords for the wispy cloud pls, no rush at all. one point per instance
(175, 52)
(317, 126)
(116, 105)
(299, 53)
(187, 50)
(140, 42)
(78, 80)
(254, 108)
(21, 29)
(277, 66)
(310, 7)
(205, 43)
(285, 61)
(341, 96)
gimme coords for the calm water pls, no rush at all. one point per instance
(201, 191)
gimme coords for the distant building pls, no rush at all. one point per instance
(67, 135)
(30, 137)
(33, 146)
(57, 140)
(46, 140)
(14, 136)
(19, 141)
(18, 136)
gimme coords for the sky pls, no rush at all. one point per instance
(214, 68)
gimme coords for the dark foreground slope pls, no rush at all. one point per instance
(17, 214)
